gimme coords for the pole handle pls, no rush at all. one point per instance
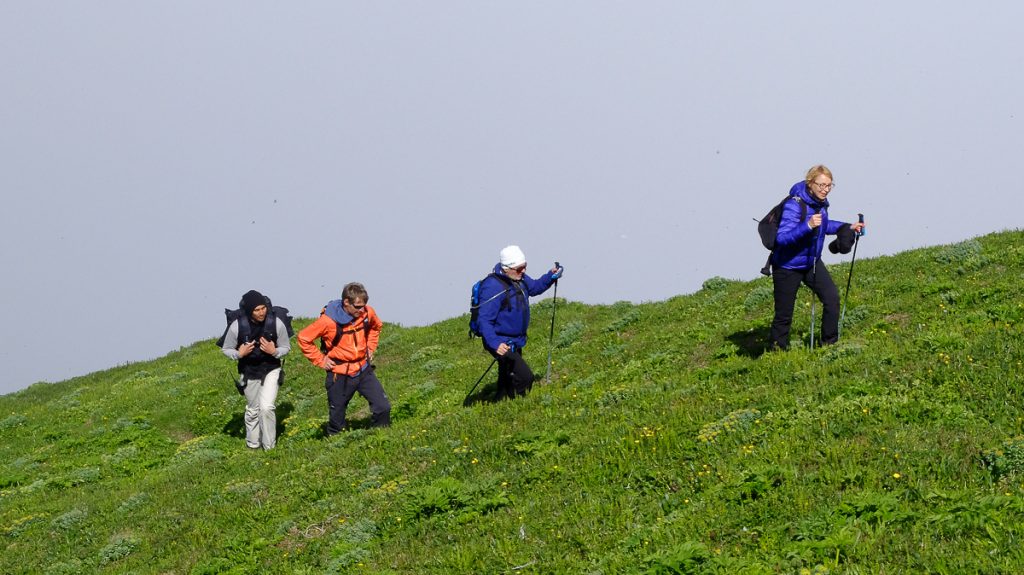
(860, 220)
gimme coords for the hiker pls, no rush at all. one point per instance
(258, 345)
(796, 258)
(348, 330)
(504, 317)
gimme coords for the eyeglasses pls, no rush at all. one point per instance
(356, 307)
(823, 186)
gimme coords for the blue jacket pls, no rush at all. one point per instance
(505, 319)
(797, 246)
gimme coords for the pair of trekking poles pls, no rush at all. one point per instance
(849, 279)
(551, 340)
(814, 271)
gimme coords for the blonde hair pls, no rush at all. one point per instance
(815, 171)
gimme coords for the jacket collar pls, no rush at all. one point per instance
(501, 271)
(336, 311)
(800, 190)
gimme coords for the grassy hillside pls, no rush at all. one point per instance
(665, 443)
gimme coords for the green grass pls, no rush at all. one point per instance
(665, 443)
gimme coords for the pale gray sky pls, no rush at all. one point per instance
(161, 158)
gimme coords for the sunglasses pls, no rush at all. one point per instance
(518, 270)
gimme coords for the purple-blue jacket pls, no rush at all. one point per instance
(797, 246)
(502, 322)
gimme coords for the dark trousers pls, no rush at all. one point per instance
(341, 388)
(514, 376)
(787, 282)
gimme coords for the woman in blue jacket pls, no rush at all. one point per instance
(505, 317)
(797, 256)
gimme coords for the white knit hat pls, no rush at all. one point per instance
(512, 256)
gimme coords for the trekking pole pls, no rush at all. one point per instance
(472, 389)
(238, 382)
(551, 338)
(812, 318)
(814, 280)
(849, 278)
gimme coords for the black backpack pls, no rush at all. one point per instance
(245, 334)
(475, 303)
(768, 227)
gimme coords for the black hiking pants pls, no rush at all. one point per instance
(514, 376)
(341, 388)
(787, 282)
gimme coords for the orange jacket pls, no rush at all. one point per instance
(350, 354)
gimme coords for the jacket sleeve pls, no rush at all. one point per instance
(283, 345)
(539, 285)
(833, 227)
(373, 338)
(230, 347)
(487, 316)
(792, 229)
(306, 337)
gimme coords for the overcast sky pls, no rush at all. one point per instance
(159, 159)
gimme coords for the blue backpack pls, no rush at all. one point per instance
(475, 303)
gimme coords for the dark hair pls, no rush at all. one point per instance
(252, 300)
(354, 291)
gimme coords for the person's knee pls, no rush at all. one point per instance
(523, 379)
(379, 402)
(381, 412)
(830, 295)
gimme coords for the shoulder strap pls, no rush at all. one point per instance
(803, 207)
(244, 328)
(503, 278)
(506, 281)
(525, 299)
(366, 325)
(270, 324)
(339, 331)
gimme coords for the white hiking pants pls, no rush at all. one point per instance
(260, 417)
